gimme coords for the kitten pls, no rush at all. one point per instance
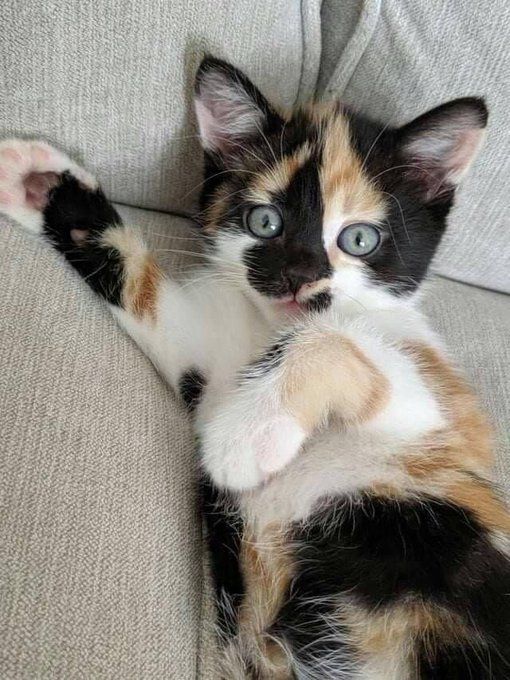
(353, 529)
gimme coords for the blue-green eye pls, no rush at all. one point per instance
(359, 240)
(264, 221)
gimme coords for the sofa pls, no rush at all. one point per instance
(103, 574)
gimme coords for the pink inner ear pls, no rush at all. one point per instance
(208, 127)
(464, 153)
(441, 157)
(226, 113)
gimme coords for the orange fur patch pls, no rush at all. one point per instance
(216, 210)
(142, 275)
(326, 373)
(482, 500)
(451, 461)
(391, 635)
(348, 193)
(277, 178)
(384, 640)
(267, 572)
(141, 290)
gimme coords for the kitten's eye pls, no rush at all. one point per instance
(264, 221)
(359, 240)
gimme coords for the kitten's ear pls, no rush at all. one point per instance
(440, 145)
(229, 107)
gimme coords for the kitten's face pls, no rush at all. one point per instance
(326, 204)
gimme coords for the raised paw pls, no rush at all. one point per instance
(242, 449)
(29, 171)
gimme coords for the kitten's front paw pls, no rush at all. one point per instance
(29, 169)
(240, 452)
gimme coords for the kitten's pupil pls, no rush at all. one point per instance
(360, 242)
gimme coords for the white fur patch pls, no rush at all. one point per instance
(248, 436)
(20, 158)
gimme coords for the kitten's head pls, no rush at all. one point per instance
(325, 203)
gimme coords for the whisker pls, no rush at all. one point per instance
(405, 165)
(395, 243)
(401, 212)
(363, 165)
(218, 174)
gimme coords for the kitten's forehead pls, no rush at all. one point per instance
(345, 183)
(319, 134)
(348, 194)
(275, 180)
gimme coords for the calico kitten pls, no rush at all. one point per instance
(354, 531)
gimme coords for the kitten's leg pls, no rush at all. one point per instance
(313, 373)
(48, 194)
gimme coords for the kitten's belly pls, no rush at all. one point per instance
(332, 463)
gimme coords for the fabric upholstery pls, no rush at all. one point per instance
(405, 57)
(100, 551)
(111, 80)
(475, 325)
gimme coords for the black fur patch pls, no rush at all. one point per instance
(463, 662)
(319, 302)
(224, 531)
(412, 229)
(269, 360)
(280, 266)
(73, 206)
(191, 387)
(381, 551)
(214, 163)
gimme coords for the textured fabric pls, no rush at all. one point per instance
(408, 56)
(100, 552)
(100, 571)
(111, 80)
(345, 31)
(475, 325)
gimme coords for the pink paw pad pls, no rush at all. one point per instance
(11, 155)
(280, 444)
(37, 186)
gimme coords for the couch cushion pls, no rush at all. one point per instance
(475, 324)
(111, 80)
(100, 557)
(405, 57)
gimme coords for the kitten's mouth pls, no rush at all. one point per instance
(289, 304)
(296, 304)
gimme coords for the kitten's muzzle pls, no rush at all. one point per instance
(297, 276)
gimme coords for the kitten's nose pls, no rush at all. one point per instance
(297, 275)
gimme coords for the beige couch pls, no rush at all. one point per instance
(101, 562)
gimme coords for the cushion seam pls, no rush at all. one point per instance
(355, 48)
